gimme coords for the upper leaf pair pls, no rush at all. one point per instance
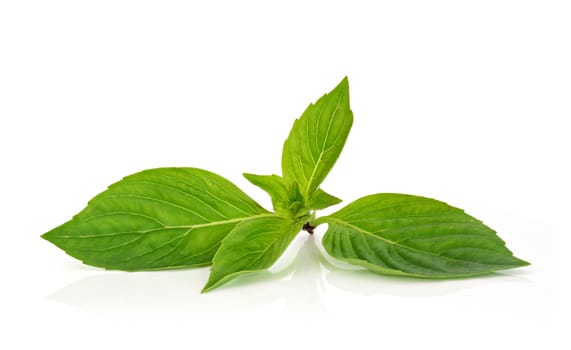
(310, 151)
(182, 217)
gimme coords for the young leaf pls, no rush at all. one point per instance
(287, 199)
(322, 200)
(408, 235)
(316, 140)
(253, 245)
(296, 204)
(274, 186)
(156, 219)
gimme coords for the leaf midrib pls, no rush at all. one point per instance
(322, 150)
(167, 227)
(356, 228)
(370, 234)
(386, 240)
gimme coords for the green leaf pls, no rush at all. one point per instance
(296, 204)
(287, 199)
(322, 200)
(156, 219)
(254, 245)
(316, 140)
(408, 235)
(274, 186)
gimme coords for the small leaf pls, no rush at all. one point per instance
(156, 219)
(274, 186)
(253, 245)
(316, 140)
(296, 205)
(408, 235)
(322, 200)
(287, 199)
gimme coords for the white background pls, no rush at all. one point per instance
(461, 101)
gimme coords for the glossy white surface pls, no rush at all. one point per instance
(466, 103)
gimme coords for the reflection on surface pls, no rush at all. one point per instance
(299, 284)
(299, 287)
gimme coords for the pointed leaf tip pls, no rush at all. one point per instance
(316, 139)
(156, 219)
(342, 86)
(400, 234)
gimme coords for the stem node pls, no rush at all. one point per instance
(307, 227)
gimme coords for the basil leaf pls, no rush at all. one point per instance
(274, 186)
(408, 235)
(156, 219)
(287, 199)
(316, 140)
(322, 200)
(296, 204)
(253, 245)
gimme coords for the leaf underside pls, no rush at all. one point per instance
(156, 219)
(409, 235)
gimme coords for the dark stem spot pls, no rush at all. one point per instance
(307, 227)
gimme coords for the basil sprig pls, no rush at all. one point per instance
(184, 217)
